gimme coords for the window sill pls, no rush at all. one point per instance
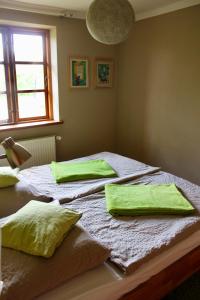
(29, 125)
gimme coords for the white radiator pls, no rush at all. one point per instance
(43, 151)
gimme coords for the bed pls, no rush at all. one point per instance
(151, 268)
(108, 283)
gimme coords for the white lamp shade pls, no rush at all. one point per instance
(15, 153)
(110, 21)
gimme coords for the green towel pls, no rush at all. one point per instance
(91, 169)
(145, 200)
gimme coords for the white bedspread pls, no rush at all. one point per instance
(134, 240)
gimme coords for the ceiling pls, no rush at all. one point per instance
(77, 8)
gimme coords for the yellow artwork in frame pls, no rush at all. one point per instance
(79, 72)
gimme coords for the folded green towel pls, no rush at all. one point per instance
(91, 169)
(145, 200)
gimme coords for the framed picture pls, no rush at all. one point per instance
(104, 72)
(79, 72)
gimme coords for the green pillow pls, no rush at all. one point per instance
(8, 177)
(38, 228)
(90, 169)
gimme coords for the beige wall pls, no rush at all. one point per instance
(158, 107)
(159, 93)
(89, 115)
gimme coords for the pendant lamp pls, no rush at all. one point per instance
(110, 21)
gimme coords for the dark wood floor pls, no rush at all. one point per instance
(189, 290)
(172, 280)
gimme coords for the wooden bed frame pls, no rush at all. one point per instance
(168, 279)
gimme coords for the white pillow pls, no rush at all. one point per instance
(14, 197)
(8, 176)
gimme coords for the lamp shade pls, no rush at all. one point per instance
(15, 153)
(110, 21)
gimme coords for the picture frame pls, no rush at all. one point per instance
(78, 72)
(103, 72)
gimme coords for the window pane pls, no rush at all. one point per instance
(2, 79)
(30, 77)
(31, 105)
(28, 47)
(1, 48)
(3, 108)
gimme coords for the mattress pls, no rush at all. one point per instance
(108, 283)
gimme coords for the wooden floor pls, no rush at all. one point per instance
(188, 290)
(164, 282)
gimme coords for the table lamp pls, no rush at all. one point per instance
(15, 153)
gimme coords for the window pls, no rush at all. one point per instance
(25, 81)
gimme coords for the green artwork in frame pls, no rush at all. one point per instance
(78, 72)
(104, 73)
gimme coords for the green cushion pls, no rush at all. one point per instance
(38, 228)
(145, 200)
(91, 169)
(8, 177)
